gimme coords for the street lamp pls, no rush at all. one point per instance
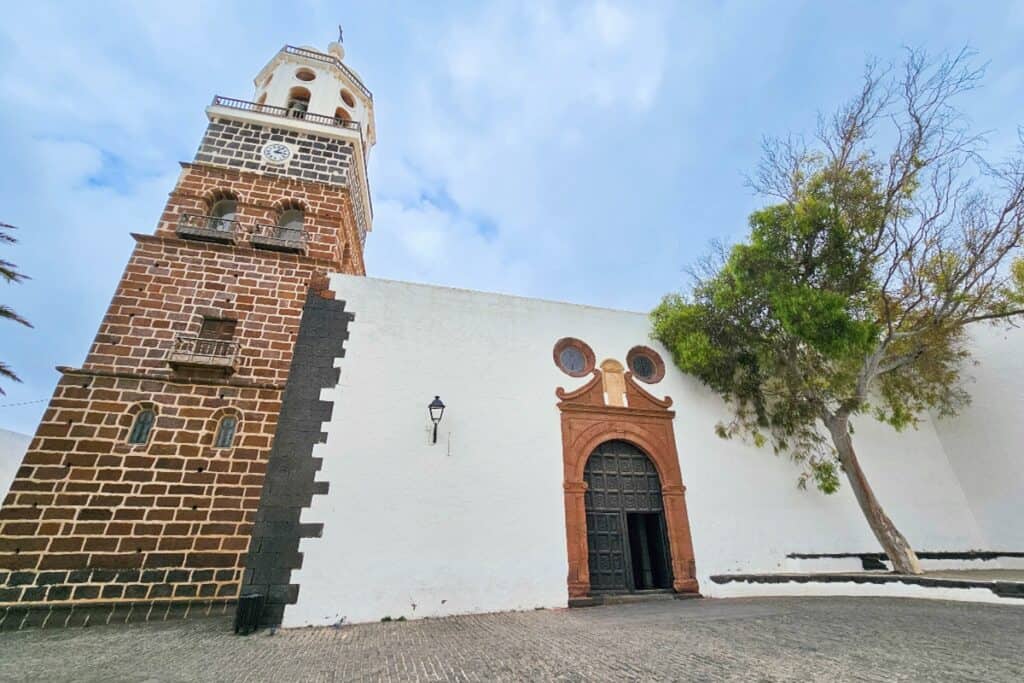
(436, 409)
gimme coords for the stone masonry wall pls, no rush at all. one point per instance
(317, 158)
(330, 228)
(92, 520)
(238, 144)
(92, 517)
(170, 284)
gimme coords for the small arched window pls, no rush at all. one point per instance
(226, 432)
(223, 210)
(298, 102)
(292, 218)
(341, 116)
(142, 426)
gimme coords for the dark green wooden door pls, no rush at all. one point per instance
(621, 480)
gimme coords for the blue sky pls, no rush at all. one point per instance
(583, 151)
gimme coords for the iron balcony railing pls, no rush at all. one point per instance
(282, 112)
(330, 59)
(200, 352)
(229, 231)
(210, 228)
(279, 238)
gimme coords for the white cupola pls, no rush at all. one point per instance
(318, 87)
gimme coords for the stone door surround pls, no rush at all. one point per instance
(644, 421)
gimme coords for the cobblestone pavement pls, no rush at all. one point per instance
(750, 639)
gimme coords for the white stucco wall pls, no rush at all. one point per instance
(477, 523)
(12, 449)
(985, 443)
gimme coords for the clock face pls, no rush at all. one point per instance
(276, 152)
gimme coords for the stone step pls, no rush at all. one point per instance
(628, 598)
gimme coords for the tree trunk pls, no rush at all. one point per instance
(904, 559)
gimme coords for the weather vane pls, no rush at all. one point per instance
(341, 37)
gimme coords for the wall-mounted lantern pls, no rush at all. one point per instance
(436, 409)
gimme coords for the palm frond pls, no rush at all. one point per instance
(9, 272)
(6, 372)
(7, 314)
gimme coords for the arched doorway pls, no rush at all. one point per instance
(589, 421)
(627, 543)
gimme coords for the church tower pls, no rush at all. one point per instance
(139, 493)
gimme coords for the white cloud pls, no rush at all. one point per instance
(427, 244)
(575, 150)
(506, 100)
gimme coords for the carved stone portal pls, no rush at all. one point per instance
(589, 418)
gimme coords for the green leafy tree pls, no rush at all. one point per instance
(854, 291)
(9, 272)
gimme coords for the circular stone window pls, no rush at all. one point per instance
(348, 99)
(573, 357)
(305, 75)
(645, 364)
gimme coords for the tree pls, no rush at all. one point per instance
(9, 272)
(853, 292)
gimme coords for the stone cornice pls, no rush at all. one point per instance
(169, 379)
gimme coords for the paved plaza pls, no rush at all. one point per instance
(873, 639)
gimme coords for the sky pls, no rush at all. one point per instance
(579, 151)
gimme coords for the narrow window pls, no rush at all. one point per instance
(222, 210)
(290, 223)
(141, 427)
(298, 102)
(222, 214)
(226, 432)
(341, 116)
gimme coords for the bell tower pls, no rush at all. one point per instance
(141, 489)
(311, 122)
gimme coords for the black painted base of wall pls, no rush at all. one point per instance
(44, 615)
(1003, 589)
(290, 482)
(875, 560)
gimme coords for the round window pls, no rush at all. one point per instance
(645, 364)
(643, 367)
(305, 75)
(348, 99)
(573, 357)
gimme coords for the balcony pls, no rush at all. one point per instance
(278, 238)
(207, 228)
(197, 352)
(281, 112)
